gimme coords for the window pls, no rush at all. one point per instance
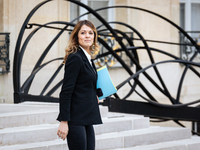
(108, 15)
(190, 14)
(103, 13)
(189, 21)
(182, 15)
(74, 12)
(195, 19)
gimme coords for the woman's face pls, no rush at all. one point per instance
(85, 37)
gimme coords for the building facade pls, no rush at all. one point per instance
(182, 12)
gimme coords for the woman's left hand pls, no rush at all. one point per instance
(63, 130)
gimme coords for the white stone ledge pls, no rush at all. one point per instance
(141, 137)
(115, 141)
(20, 135)
(25, 134)
(17, 119)
(121, 124)
(186, 144)
(15, 115)
(57, 144)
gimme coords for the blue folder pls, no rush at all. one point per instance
(105, 83)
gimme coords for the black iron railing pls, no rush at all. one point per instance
(4, 52)
(110, 60)
(188, 50)
(153, 106)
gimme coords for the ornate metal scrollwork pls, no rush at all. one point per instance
(4, 53)
(110, 60)
(114, 46)
(188, 50)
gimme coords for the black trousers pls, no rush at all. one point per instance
(81, 137)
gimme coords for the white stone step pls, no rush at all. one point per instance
(116, 140)
(46, 132)
(31, 114)
(27, 106)
(54, 106)
(122, 124)
(104, 111)
(27, 118)
(57, 144)
(37, 133)
(187, 144)
(141, 137)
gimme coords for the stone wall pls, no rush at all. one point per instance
(1, 14)
(14, 14)
(2, 78)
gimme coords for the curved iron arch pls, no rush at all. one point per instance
(21, 93)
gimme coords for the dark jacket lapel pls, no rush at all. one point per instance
(88, 65)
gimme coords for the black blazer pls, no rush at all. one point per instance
(78, 97)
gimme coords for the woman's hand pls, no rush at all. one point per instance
(63, 130)
(98, 99)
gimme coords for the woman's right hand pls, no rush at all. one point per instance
(63, 130)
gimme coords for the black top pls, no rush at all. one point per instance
(78, 97)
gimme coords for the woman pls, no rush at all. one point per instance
(79, 109)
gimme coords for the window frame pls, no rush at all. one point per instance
(188, 11)
(110, 14)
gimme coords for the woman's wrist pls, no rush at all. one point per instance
(64, 121)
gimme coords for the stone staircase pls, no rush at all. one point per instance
(33, 126)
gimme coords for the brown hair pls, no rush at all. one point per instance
(73, 41)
